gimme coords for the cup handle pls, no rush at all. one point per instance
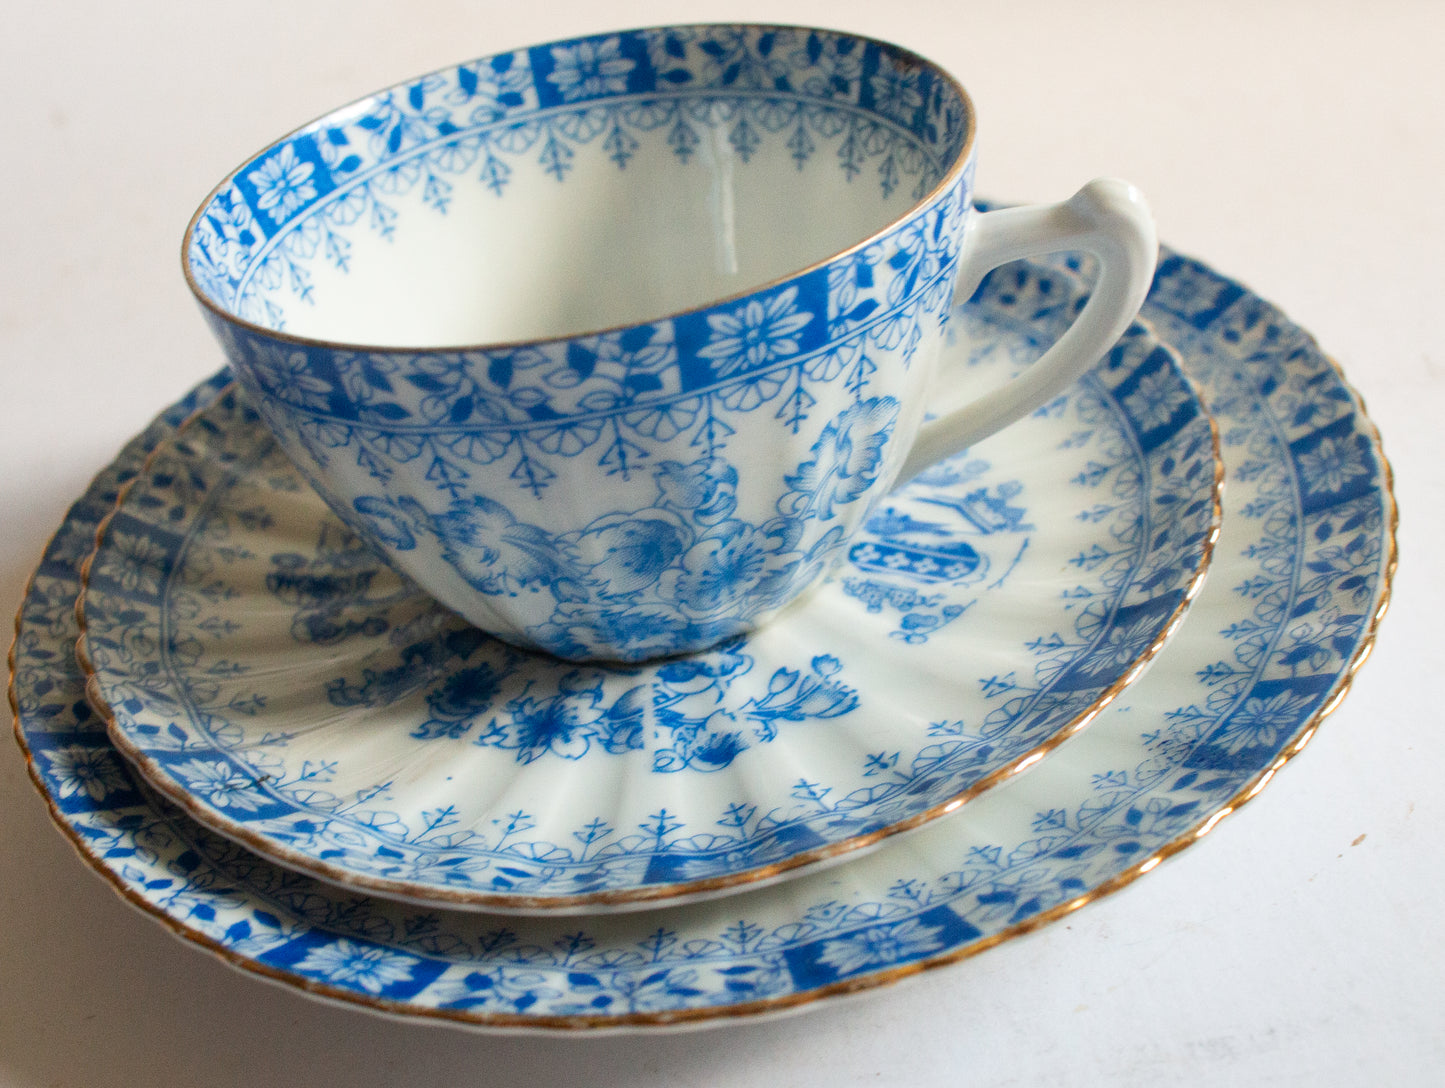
(1107, 218)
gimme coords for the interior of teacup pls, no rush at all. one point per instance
(577, 186)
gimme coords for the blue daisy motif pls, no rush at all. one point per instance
(1264, 721)
(881, 944)
(345, 963)
(220, 784)
(588, 69)
(1332, 465)
(846, 460)
(89, 771)
(756, 333)
(1120, 647)
(283, 184)
(1155, 399)
(896, 91)
(135, 561)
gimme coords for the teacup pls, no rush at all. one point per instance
(611, 344)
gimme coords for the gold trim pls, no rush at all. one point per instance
(637, 898)
(918, 207)
(688, 1017)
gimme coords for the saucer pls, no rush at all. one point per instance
(1302, 576)
(266, 671)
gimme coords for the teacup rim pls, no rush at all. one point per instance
(956, 168)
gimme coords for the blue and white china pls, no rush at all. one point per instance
(1300, 581)
(613, 345)
(268, 672)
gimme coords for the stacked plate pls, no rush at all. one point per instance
(261, 734)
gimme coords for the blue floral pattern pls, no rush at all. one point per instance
(590, 69)
(940, 562)
(681, 570)
(437, 453)
(756, 333)
(1286, 618)
(282, 184)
